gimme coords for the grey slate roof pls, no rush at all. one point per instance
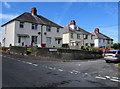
(80, 30)
(38, 19)
(101, 36)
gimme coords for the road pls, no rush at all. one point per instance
(20, 71)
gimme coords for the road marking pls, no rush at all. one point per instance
(114, 80)
(107, 77)
(71, 72)
(29, 63)
(86, 73)
(60, 70)
(50, 68)
(115, 77)
(35, 64)
(100, 77)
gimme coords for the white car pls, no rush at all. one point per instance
(112, 56)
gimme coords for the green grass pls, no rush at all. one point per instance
(4, 48)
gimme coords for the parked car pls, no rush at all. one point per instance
(112, 56)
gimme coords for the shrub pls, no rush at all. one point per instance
(30, 49)
(5, 48)
(82, 47)
(87, 48)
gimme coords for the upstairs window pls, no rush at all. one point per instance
(103, 40)
(48, 29)
(57, 30)
(78, 36)
(34, 26)
(71, 35)
(85, 36)
(21, 24)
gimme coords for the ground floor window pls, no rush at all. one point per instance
(86, 44)
(58, 41)
(19, 39)
(48, 40)
(34, 39)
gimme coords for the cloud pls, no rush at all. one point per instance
(7, 16)
(7, 5)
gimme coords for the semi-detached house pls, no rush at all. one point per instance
(31, 29)
(75, 37)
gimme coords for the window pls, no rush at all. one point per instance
(108, 41)
(34, 39)
(48, 40)
(57, 29)
(85, 36)
(48, 29)
(78, 36)
(71, 35)
(19, 39)
(86, 44)
(34, 26)
(99, 40)
(58, 41)
(103, 40)
(91, 37)
(21, 24)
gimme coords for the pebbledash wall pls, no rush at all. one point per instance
(66, 54)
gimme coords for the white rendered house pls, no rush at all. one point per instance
(31, 29)
(75, 37)
(101, 40)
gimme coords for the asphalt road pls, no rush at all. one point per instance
(20, 71)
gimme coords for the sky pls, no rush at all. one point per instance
(88, 15)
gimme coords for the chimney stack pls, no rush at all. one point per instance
(96, 30)
(34, 11)
(72, 22)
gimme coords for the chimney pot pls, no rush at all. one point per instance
(34, 11)
(96, 30)
(72, 22)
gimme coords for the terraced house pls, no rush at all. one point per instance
(31, 29)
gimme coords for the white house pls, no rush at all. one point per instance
(101, 40)
(75, 37)
(31, 29)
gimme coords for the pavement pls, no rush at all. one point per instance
(20, 71)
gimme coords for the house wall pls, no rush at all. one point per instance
(89, 40)
(27, 30)
(103, 44)
(54, 35)
(96, 43)
(66, 38)
(8, 32)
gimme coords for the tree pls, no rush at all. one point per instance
(116, 46)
